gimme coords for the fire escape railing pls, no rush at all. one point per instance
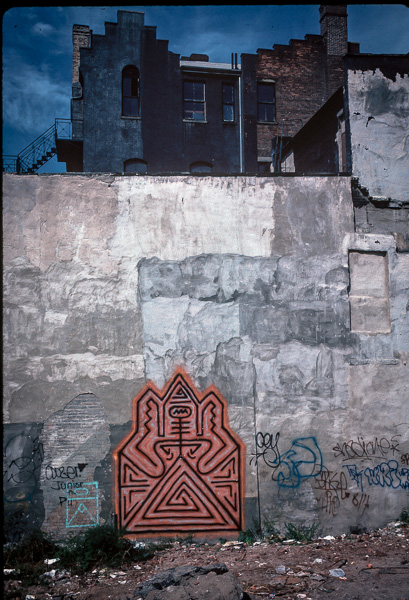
(36, 154)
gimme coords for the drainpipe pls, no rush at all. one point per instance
(241, 120)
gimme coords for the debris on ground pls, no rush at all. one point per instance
(365, 566)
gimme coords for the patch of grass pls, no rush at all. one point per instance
(248, 536)
(301, 533)
(101, 546)
(96, 547)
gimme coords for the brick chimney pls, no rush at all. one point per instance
(80, 39)
(334, 28)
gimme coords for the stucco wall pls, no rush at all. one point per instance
(242, 282)
(379, 122)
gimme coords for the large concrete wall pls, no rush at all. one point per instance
(379, 122)
(257, 286)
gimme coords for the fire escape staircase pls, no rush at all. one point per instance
(36, 154)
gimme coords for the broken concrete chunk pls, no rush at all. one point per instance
(213, 582)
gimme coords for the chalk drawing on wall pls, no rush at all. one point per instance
(82, 505)
(181, 468)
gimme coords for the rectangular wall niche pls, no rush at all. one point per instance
(369, 292)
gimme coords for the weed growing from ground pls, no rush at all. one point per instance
(302, 533)
(32, 548)
(252, 534)
(27, 557)
(404, 515)
(270, 531)
(96, 547)
(248, 536)
(101, 546)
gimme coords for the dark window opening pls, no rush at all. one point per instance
(194, 100)
(81, 81)
(264, 168)
(130, 92)
(228, 101)
(135, 165)
(266, 102)
(201, 167)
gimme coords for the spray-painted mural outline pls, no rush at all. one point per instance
(182, 467)
(82, 508)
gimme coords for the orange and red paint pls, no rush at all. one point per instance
(181, 468)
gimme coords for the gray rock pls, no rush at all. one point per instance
(213, 582)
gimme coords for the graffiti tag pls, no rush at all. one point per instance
(69, 472)
(334, 491)
(386, 474)
(359, 448)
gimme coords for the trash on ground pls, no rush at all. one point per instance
(337, 573)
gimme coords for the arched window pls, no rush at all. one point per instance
(135, 165)
(130, 92)
(201, 167)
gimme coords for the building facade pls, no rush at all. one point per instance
(137, 107)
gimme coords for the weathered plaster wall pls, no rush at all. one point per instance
(243, 282)
(379, 121)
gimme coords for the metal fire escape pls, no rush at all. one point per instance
(36, 154)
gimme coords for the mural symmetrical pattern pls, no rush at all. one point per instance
(181, 468)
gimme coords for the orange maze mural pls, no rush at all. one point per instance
(181, 469)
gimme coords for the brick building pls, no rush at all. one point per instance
(221, 118)
(296, 80)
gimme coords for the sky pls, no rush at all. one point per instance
(37, 47)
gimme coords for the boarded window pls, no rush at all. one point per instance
(369, 292)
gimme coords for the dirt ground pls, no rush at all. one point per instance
(375, 567)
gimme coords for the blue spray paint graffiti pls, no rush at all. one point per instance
(386, 474)
(301, 461)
